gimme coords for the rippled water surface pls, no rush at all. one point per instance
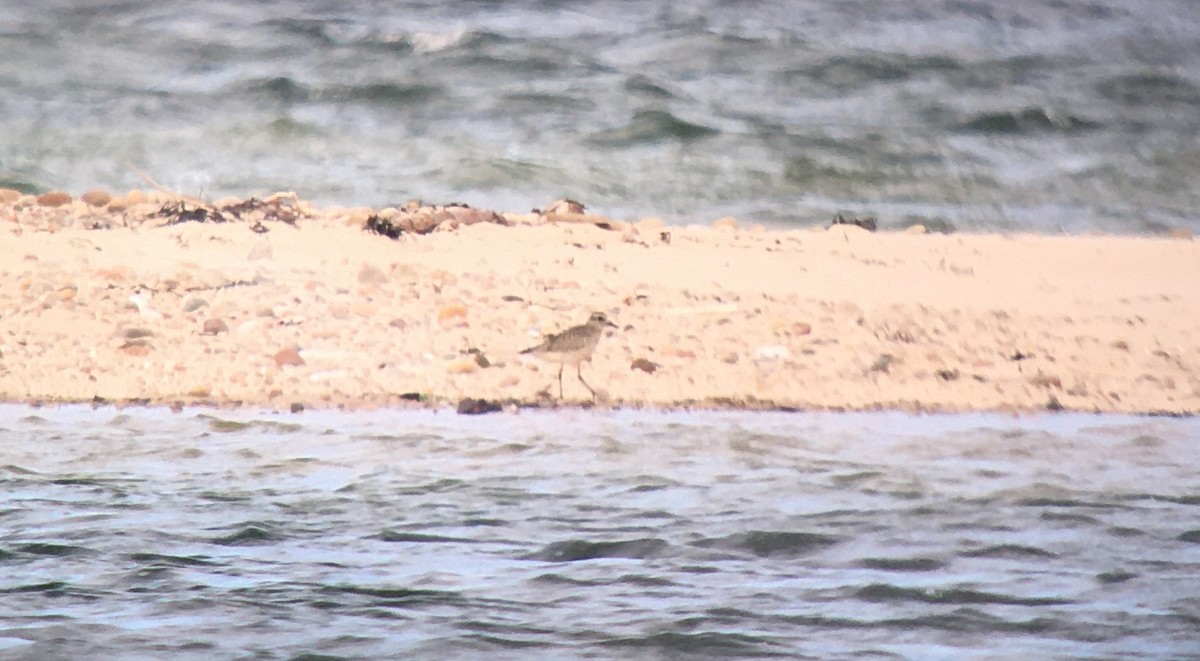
(1044, 115)
(150, 534)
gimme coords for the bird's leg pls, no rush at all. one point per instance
(560, 371)
(579, 373)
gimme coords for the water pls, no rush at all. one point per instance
(1064, 115)
(414, 534)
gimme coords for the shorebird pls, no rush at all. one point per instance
(573, 346)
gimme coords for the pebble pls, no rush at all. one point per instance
(96, 197)
(194, 304)
(882, 364)
(645, 365)
(54, 199)
(464, 365)
(251, 325)
(371, 275)
(289, 356)
(472, 406)
(650, 225)
(118, 204)
(772, 352)
(136, 333)
(916, 229)
(452, 311)
(214, 326)
(726, 224)
(142, 303)
(135, 348)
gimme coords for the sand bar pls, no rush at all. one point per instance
(110, 300)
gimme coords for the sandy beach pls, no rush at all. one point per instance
(153, 299)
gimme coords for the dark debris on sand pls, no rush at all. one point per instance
(416, 218)
(253, 210)
(867, 222)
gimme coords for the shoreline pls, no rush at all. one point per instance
(276, 304)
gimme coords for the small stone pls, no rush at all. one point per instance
(398, 323)
(214, 326)
(135, 348)
(194, 304)
(371, 275)
(289, 356)
(1180, 233)
(726, 224)
(96, 197)
(297, 407)
(464, 365)
(250, 326)
(565, 206)
(883, 363)
(916, 229)
(54, 199)
(644, 365)
(772, 352)
(451, 312)
(136, 333)
(472, 406)
(200, 391)
(730, 358)
(9, 196)
(650, 225)
(480, 359)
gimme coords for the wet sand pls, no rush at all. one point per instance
(288, 306)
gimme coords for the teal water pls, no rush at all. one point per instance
(589, 534)
(1033, 115)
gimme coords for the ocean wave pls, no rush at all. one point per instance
(574, 550)
(651, 126)
(1027, 121)
(1149, 89)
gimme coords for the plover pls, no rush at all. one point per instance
(573, 346)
